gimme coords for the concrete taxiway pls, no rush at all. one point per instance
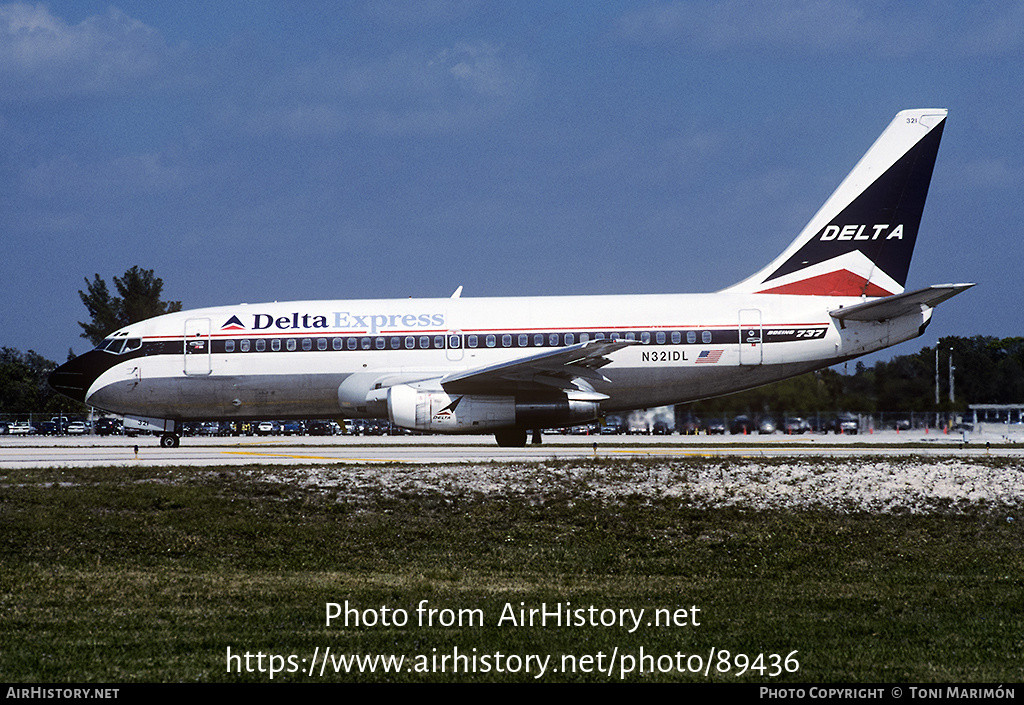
(94, 451)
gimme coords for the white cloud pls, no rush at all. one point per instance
(411, 92)
(481, 69)
(989, 173)
(866, 28)
(44, 57)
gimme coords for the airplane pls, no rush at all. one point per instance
(513, 364)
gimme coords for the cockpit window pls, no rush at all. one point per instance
(112, 345)
(119, 346)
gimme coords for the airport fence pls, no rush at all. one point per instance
(654, 422)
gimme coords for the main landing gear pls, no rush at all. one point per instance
(515, 437)
(170, 440)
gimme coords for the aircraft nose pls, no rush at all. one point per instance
(73, 378)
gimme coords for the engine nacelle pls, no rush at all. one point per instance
(440, 412)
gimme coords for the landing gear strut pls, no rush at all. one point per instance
(170, 440)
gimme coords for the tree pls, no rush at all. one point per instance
(24, 388)
(139, 299)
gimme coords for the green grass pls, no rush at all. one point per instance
(122, 575)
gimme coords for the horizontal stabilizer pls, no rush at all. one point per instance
(900, 304)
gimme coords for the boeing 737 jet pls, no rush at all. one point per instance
(507, 365)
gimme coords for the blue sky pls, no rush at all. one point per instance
(258, 151)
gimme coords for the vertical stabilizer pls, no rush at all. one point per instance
(860, 242)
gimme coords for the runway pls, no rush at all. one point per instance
(95, 451)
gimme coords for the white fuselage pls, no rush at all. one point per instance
(322, 359)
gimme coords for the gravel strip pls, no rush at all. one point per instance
(888, 485)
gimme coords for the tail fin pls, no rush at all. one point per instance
(860, 242)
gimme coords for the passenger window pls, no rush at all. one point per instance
(490, 341)
(706, 336)
(691, 337)
(506, 341)
(584, 337)
(261, 345)
(660, 337)
(570, 339)
(379, 343)
(410, 342)
(396, 343)
(553, 340)
(524, 340)
(275, 345)
(424, 342)
(676, 337)
(243, 345)
(645, 337)
(229, 346)
(351, 343)
(538, 340)
(321, 344)
(473, 341)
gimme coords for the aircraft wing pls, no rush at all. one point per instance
(558, 367)
(900, 304)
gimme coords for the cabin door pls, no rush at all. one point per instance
(197, 347)
(751, 338)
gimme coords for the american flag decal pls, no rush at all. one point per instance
(709, 356)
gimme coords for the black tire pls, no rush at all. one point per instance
(169, 440)
(511, 438)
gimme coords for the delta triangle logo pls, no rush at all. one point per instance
(448, 410)
(233, 324)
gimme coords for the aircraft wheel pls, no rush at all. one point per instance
(169, 440)
(511, 438)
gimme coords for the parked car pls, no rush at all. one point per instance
(766, 426)
(795, 424)
(267, 428)
(741, 424)
(715, 427)
(817, 424)
(77, 428)
(319, 428)
(107, 427)
(845, 423)
(21, 428)
(689, 426)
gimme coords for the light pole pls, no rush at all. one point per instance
(952, 396)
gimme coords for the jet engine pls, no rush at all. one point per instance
(441, 412)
